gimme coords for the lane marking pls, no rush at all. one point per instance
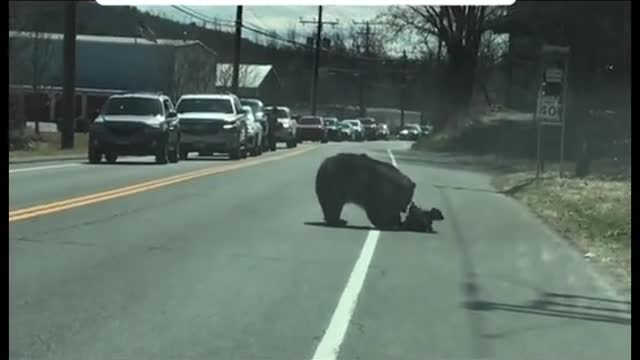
(333, 337)
(45, 209)
(393, 159)
(19, 170)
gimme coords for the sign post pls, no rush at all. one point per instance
(552, 98)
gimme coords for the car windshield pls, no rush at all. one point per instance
(195, 105)
(249, 111)
(280, 113)
(310, 121)
(133, 106)
(367, 121)
(255, 106)
(345, 126)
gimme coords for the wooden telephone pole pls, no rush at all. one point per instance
(403, 93)
(69, 58)
(316, 63)
(362, 79)
(236, 52)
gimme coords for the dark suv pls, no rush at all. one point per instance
(370, 128)
(312, 128)
(135, 124)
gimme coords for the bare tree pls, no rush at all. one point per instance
(492, 52)
(458, 31)
(40, 64)
(292, 34)
(246, 75)
(30, 52)
(194, 72)
(270, 41)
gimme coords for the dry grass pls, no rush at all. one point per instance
(49, 145)
(594, 213)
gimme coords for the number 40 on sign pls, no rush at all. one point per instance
(549, 109)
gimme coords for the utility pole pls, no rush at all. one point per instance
(362, 80)
(316, 63)
(403, 93)
(69, 58)
(236, 53)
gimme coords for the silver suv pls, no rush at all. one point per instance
(135, 124)
(212, 124)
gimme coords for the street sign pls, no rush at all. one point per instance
(553, 75)
(549, 110)
(552, 93)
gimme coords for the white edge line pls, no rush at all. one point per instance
(19, 170)
(334, 335)
(393, 159)
(329, 346)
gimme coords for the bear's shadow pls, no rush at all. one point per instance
(362, 227)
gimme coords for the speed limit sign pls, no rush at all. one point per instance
(549, 109)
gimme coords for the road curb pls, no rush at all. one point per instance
(29, 160)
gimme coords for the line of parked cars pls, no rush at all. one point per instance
(414, 131)
(142, 124)
(324, 129)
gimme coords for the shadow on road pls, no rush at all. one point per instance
(102, 163)
(208, 158)
(561, 306)
(360, 227)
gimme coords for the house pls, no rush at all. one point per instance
(255, 81)
(105, 65)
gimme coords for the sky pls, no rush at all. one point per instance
(278, 18)
(283, 18)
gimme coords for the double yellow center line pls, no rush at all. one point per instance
(58, 206)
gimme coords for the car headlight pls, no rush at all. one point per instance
(158, 126)
(230, 126)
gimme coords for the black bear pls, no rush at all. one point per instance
(376, 186)
(421, 220)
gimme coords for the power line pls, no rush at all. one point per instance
(262, 27)
(264, 32)
(203, 18)
(231, 22)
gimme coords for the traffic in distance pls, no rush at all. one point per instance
(150, 124)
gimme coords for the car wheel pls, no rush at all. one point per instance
(184, 155)
(174, 155)
(93, 155)
(162, 155)
(291, 144)
(255, 149)
(111, 158)
(235, 154)
(324, 141)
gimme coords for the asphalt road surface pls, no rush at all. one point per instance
(217, 259)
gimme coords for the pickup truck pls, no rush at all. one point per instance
(212, 124)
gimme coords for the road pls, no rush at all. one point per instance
(226, 260)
